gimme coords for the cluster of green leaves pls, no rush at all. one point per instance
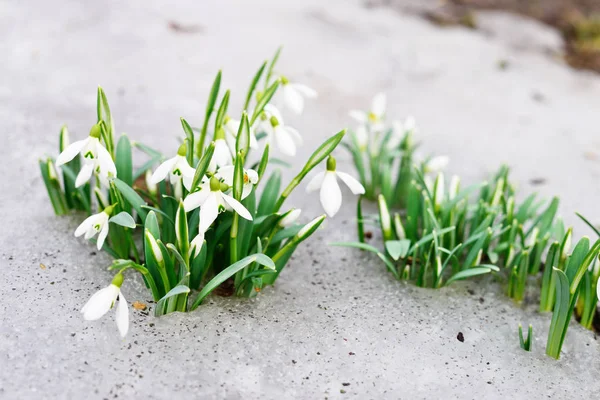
(447, 235)
(376, 162)
(568, 285)
(250, 254)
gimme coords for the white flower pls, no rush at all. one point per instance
(212, 201)
(399, 129)
(250, 178)
(94, 224)
(454, 187)
(294, 94)
(374, 117)
(222, 155)
(176, 168)
(362, 137)
(103, 300)
(96, 159)
(232, 126)
(289, 218)
(436, 164)
(286, 138)
(196, 244)
(330, 194)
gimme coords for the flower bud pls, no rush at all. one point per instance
(152, 187)
(95, 132)
(154, 248)
(289, 218)
(385, 219)
(309, 228)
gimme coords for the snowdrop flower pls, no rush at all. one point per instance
(294, 94)
(222, 155)
(232, 126)
(286, 138)
(362, 137)
(330, 194)
(399, 129)
(104, 299)
(436, 164)
(289, 218)
(97, 223)
(96, 159)
(250, 178)
(176, 168)
(212, 200)
(374, 117)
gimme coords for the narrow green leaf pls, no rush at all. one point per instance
(468, 273)
(132, 197)
(253, 84)
(124, 160)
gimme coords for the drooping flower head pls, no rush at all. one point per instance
(96, 159)
(286, 138)
(105, 299)
(96, 224)
(177, 169)
(330, 193)
(212, 200)
(294, 94)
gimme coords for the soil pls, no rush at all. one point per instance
(577, 20)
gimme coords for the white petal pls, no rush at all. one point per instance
(163, 170)
(100, 303)
(355, 186)
(437, 164)
(122, 315)
(107, 165)
(294, 134)
(305, 90)
(226, 173)
(222, 155)
(196, 199)
(252, 176)
(102, 235)
(315, 182)
(253, 141)
(331, 195)
(84, 174)
(70, 152)
(209, 211)
(231, 142)
(197, 243)
(378, 106)
(272, 111)
(358, 115)
(293, 99)
(237, 206)
(86, 225)
(284, 141)
(187, 173)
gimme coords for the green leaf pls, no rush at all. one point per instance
(560, 316)
(264, 160)
(177, 290)
(132, 197)
(360, 225)
(55, 193)
(588, 223)
(151, 223)
(242, 142)
(202, 167)
(269, 194)
(222, 111)
(210, 105)
(263, 101)
(253, 84)
(229, 272)
(181, 230)
(397, 248)
(104, 115)
(272, 65)
(124, 161)
(468, 273)
(124, 219)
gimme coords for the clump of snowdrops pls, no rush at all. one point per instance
(433, 235)
(189, 221)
